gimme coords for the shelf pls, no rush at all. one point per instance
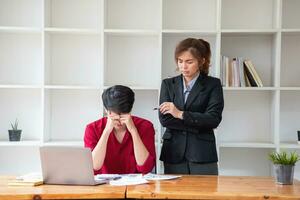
(149, 88)
(71, 87)
(290, 88)
(246, 145)
(73, 31)
(235, 16)
(120, 32)
(249, 31)
(20, 143)
(291, 31)
(17, 29)
(64, 143)
(178, 31)
(290, 145)
(80, 14)
(20, 86)
(250, 88)
(189, 14)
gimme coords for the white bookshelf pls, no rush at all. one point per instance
(57, 56)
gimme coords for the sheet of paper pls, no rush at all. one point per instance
(107, 176)
(30, 177)
(129, 179)
(153, 177)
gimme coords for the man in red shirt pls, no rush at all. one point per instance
(120, 143)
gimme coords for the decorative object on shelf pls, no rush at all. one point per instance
(298, 133)
(14, 133)
(284, 164)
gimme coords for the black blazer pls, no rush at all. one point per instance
(193, 137)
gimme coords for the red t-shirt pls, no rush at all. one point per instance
(119, 157)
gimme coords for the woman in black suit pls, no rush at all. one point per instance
(191, 106)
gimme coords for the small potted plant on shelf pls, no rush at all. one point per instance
(14, 133)
(284, 164)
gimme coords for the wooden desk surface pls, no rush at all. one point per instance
(215, 187)
(59, 191)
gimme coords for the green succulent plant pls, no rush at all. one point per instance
(284, 158)
(14, 125)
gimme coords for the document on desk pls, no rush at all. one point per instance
(154, 177)
(108, 177)
(30, 179)
(129, 179)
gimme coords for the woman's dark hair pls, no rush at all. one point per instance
(118, 99)
(199, 48)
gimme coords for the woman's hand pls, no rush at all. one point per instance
(170, 108)
(127, 120)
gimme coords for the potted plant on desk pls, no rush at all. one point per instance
(14, 133)
(284, 164)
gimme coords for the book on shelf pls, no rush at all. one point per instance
(247, 82)
(251, 67)
(249, 74)
(228, 72)
(242, 73)
(235, 73)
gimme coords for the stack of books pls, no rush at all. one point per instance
(238, 72)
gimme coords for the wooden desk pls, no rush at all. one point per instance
(215, 187)
(59, 191)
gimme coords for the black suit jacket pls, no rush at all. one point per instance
(193, 137)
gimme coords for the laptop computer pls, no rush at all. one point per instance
(68, 165)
